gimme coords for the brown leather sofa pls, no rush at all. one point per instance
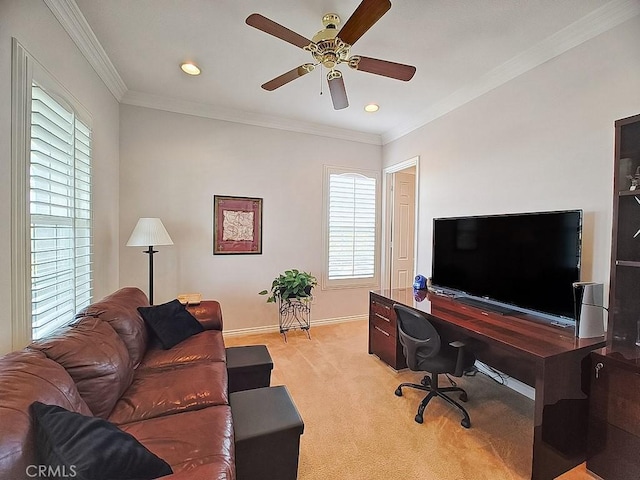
(107, 365)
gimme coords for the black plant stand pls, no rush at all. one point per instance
(294, 314)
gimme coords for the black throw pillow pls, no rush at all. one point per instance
(90, 448)
(171, 322)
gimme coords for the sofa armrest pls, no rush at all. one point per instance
(208, 313)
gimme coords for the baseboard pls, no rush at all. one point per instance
(329, 321)
(238, 332)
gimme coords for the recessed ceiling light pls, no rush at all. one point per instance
(190, 68)
(372, 107)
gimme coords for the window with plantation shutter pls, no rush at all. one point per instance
(351, 221)
(59, 213)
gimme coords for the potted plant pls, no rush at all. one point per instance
(289, 285)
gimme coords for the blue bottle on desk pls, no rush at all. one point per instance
(420, 283)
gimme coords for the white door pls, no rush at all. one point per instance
(403, 230)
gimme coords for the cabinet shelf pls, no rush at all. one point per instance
(626, 193)
(624, 354)
(627, 263)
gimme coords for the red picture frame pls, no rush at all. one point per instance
(237, 225)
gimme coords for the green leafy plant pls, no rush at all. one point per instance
(291, 284)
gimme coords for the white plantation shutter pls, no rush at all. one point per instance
(60, 213)
(351, 226)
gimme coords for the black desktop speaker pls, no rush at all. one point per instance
(587, 297)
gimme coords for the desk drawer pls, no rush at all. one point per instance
(382, 344)
(378, 321)
(384, 313)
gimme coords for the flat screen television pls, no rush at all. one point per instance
(527, 260)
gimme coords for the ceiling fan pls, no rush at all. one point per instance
(331, 47)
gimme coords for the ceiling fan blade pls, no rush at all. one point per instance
(364, 17)
(256, 20)
(399, 71)
(338, 93)
(288, 77)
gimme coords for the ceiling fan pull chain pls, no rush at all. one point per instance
(321, 79)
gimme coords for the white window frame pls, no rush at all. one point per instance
(25, 69)
(373, 282)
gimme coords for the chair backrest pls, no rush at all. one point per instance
(417, 336)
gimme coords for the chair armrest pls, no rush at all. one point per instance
(208, 313)
(458, 345)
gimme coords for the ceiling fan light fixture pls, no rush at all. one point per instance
(190, 68)
(371, 108)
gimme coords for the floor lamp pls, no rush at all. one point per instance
(149, 232)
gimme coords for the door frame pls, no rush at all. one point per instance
(387, 212)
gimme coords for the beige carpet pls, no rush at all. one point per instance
(356, 428)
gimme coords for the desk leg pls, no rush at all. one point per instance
(561, 414)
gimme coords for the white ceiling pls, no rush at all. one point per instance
(461, 49)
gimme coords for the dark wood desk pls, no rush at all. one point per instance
(547, 357)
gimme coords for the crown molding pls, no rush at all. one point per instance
(73, 21)
(141, 99)
(591, 25)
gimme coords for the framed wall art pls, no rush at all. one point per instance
(237, 225)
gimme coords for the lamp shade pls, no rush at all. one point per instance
(148, 232)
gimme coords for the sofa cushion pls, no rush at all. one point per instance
(91, 448)
(170, 322)
(120, 310)
(26, 376)
(190, 439)
(155, 393)
(95, 357)
(206, 346)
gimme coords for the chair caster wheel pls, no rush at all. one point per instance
(463, 397)
(466, 423)
(398, 392)
(425, 382)
(419, 419)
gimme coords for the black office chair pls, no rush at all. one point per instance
(425, 352)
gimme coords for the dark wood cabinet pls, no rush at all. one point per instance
(383, 332)
(614, 409)
(614, 418)
(624, 302)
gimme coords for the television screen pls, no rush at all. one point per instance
(528, 260)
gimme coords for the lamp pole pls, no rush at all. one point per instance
(151, 251)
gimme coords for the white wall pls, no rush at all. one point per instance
(35, 27)
(171, 167)
(543, 141)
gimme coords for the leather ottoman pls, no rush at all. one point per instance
(267, 429)
(248, 367)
